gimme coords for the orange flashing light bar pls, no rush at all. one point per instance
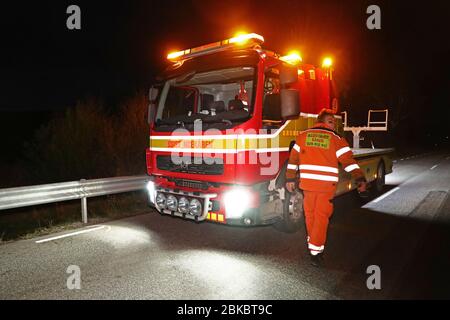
(244, 37)
(239, 40)
(216, 217)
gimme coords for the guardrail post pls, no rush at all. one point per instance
(84, 210)
(84, 216)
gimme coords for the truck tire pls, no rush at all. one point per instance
(379, 182)
(292, 218)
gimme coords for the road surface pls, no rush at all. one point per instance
(406, 233)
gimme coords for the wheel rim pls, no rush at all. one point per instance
(295, 207)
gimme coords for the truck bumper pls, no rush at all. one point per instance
(213, 207)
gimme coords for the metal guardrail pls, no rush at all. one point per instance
(76, 190)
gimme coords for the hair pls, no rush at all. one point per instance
(324, 113)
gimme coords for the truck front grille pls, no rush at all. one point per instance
(193, 166)
(191, 184)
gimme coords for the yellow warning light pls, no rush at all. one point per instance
(293, 58)
(327, 62)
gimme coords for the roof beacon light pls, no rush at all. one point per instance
(244, 39)
(292, 58)
(327, 62)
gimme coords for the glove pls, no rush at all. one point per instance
(290, 186)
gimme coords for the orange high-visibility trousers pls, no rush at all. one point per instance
(318, 208)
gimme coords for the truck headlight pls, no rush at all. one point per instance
(195, 207)
(172, 203)
(183, 205)
(161, 201)
(236, 202)
(151, 191)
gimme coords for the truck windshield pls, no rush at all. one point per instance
(219, 98)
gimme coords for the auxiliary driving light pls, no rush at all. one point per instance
(161, 201)
(183, 205)
(172, 203)
(195, 207)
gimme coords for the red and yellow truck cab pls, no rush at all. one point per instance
(223, 118)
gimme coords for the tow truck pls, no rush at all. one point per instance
(223, 118)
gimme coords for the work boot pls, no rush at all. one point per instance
(317, 260)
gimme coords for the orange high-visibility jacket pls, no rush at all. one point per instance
(316, 154)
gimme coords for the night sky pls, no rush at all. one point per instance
(122, 46)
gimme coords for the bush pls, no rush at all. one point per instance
(87, 142)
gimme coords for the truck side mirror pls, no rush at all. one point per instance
(290, 100)
(290, 104)
(288, 74)
(151, 112)
(152, 96)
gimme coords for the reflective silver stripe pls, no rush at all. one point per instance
(296, 148)
(318, 168)
(351, 167)
(340, 152)
(318, 177)
(292, 167)
(315, 248)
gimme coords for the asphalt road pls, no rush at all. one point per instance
(406, 233)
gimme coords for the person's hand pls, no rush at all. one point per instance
(362, 187)
(290, 186)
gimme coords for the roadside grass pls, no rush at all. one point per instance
(31, 222)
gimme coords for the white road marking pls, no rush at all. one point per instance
(433, 166)
(385, 195)
(71, 234)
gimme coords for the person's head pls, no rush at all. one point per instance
(326, 116)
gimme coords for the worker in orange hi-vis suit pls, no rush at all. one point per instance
(316, 154)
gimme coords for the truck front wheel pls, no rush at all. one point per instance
(292, 218)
